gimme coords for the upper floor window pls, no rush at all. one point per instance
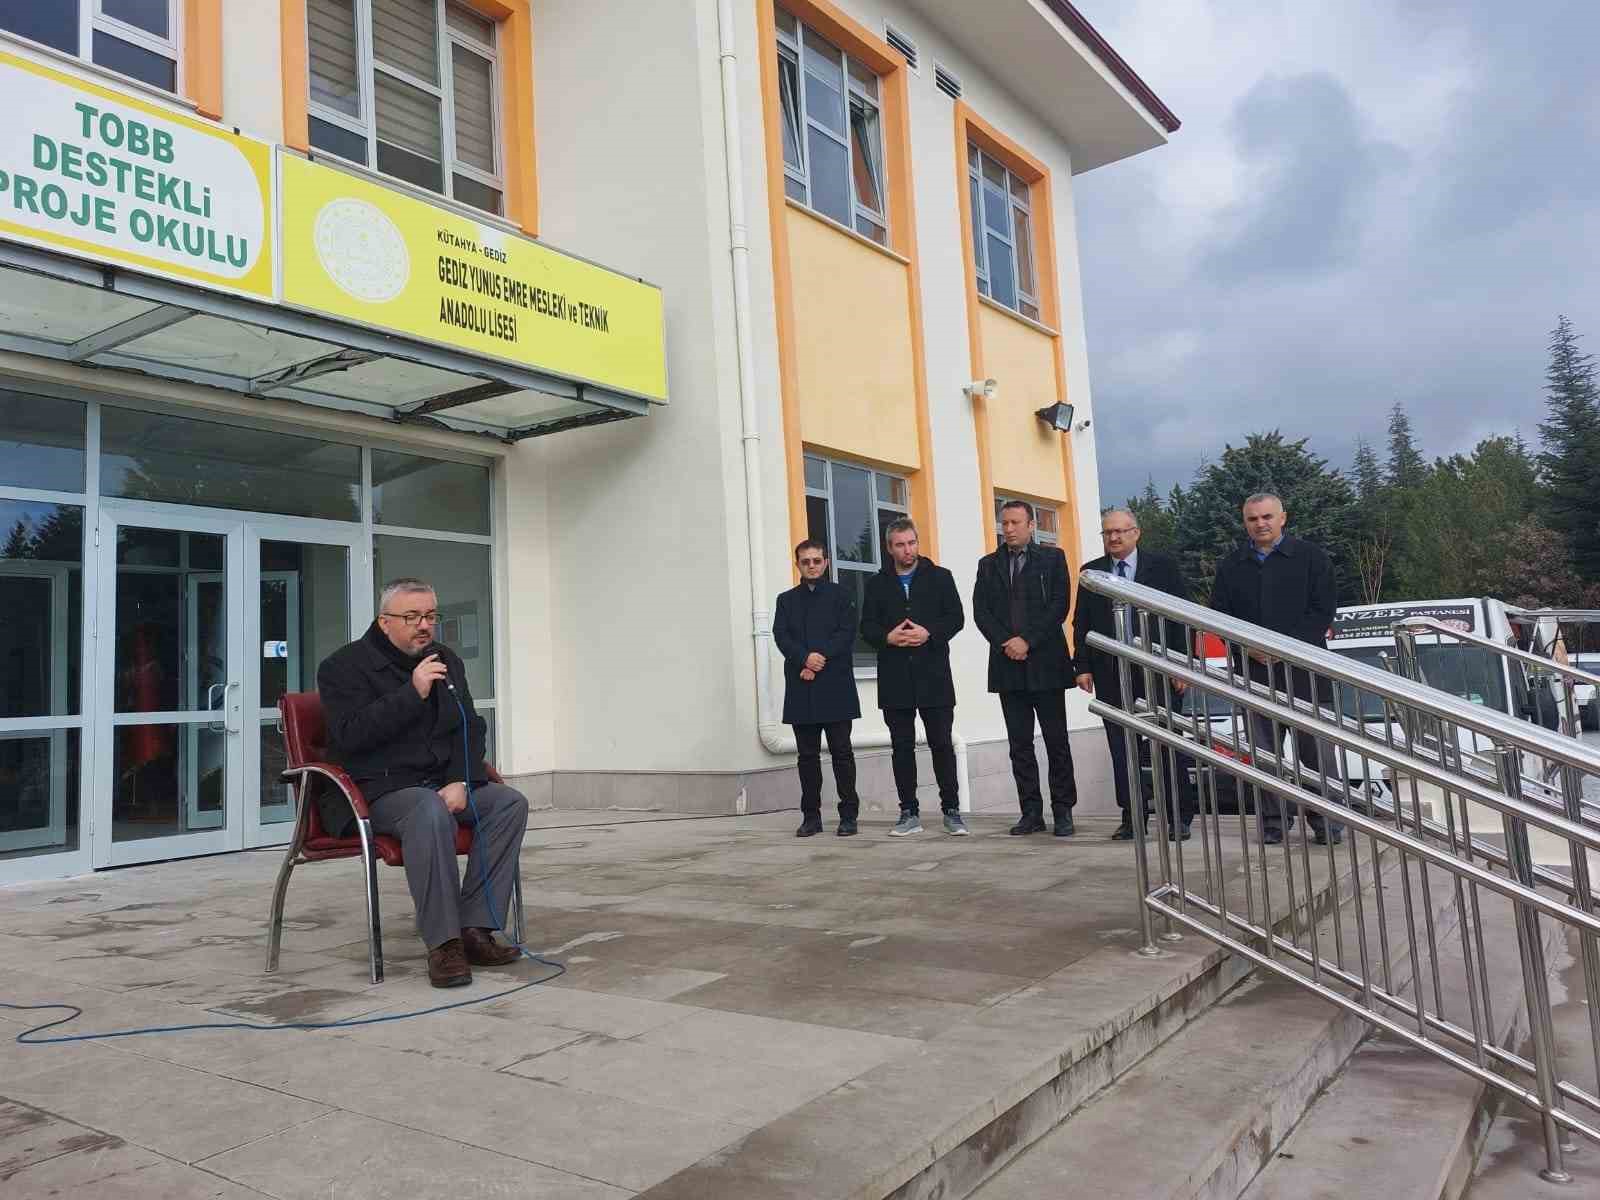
(1046, 528)
(1002, 234)
(136, 38)
(832, 130)
(411, 89)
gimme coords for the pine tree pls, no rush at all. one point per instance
(1570, 460)
(1406, 468)
(1157, 528)
(1366, 475)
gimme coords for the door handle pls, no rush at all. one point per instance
(227, 709)
(211, 705)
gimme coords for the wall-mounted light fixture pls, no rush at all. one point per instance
(1057, 416)
(980, 387)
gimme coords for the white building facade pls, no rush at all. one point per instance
(586, 312)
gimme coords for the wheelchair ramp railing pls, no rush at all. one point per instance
(1415, 798)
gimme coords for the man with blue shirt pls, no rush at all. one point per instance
(909, 613)
(1287, 585)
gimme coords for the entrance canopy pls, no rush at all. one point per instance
(105, 316)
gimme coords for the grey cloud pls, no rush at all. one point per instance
(1318, 168)
(1352, 276)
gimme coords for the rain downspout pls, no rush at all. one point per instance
(774, 737)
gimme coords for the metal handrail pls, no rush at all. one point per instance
(1473, 840)
(1538, 661)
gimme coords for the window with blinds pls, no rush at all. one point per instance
(409, 88)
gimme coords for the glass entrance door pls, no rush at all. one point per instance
(303, 609)
(171, 663)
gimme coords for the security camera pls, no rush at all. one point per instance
(980, 387)
(1083, 424)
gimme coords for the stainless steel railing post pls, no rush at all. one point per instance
(1536, 985)
(1122, 613)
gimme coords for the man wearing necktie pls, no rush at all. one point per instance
(1097, 672)
(1020, 605)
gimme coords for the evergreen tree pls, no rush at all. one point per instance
(1320, 503)
(1406, 468)
(1157, 527)
(1570, 459)
(1366, 475)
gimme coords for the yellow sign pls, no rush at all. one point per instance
(356, 249)
(96, 173)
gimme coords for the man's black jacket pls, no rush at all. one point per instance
(913, 676)
(1045, 595)
(1292, 592)
(820, 619)
(385, 735)
(1094, 613)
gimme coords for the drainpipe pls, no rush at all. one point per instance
(775, 738)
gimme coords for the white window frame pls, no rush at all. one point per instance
(92, 20)
(366, 124)
(1041, 535)
(864, 658)
(797, 179)
(1018, 196)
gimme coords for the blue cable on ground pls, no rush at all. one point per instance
(27, 1038)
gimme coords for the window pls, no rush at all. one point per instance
(847, 510)
(1002, 234)
(409, 88)
(832, 130)
(136, 38)
(1046, 529)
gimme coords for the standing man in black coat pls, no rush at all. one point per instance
(1020, 605)
(1286, 584)
(815, 629)
(1097, 672)
(909, 614)
(401, 722)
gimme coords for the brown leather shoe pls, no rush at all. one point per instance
(447, 965)
(484, 951)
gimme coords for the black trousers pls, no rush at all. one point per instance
(936, 722)
(1050, 707)
(1188, 796)
(808, 741)
(1276, 812)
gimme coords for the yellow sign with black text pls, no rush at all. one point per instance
(356, 249)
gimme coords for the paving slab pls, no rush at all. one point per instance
(744, 1014)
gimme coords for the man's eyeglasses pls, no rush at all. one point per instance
(1105, 533)
(413, 619)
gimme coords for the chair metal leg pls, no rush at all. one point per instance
(280, 890)
(369, 865)
(519, 930)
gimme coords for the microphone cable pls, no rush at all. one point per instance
(27, 1036)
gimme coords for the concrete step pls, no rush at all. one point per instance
(1201, 1115)
(1401, 1122)
(937, 1125)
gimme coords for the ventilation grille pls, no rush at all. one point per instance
(902, 43)
(947, 83)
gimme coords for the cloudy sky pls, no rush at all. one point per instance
(1368, 201)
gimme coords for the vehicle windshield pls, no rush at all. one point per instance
(1470, 672)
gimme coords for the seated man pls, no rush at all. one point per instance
(394, 702)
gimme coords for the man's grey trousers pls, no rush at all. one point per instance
(427, 833)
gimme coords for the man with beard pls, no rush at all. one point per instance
(910, 612)
(394, 702)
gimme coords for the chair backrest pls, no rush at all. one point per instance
(305, 735)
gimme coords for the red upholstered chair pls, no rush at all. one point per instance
(305, 738)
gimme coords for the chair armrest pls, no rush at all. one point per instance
(340, 780)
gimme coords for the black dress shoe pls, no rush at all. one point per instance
(1324, 835)
(809, 827)
(1272, 837)
(1124, 833)
(1179, 833)
(1028, 824)
(1065, 827)
(847, 827)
